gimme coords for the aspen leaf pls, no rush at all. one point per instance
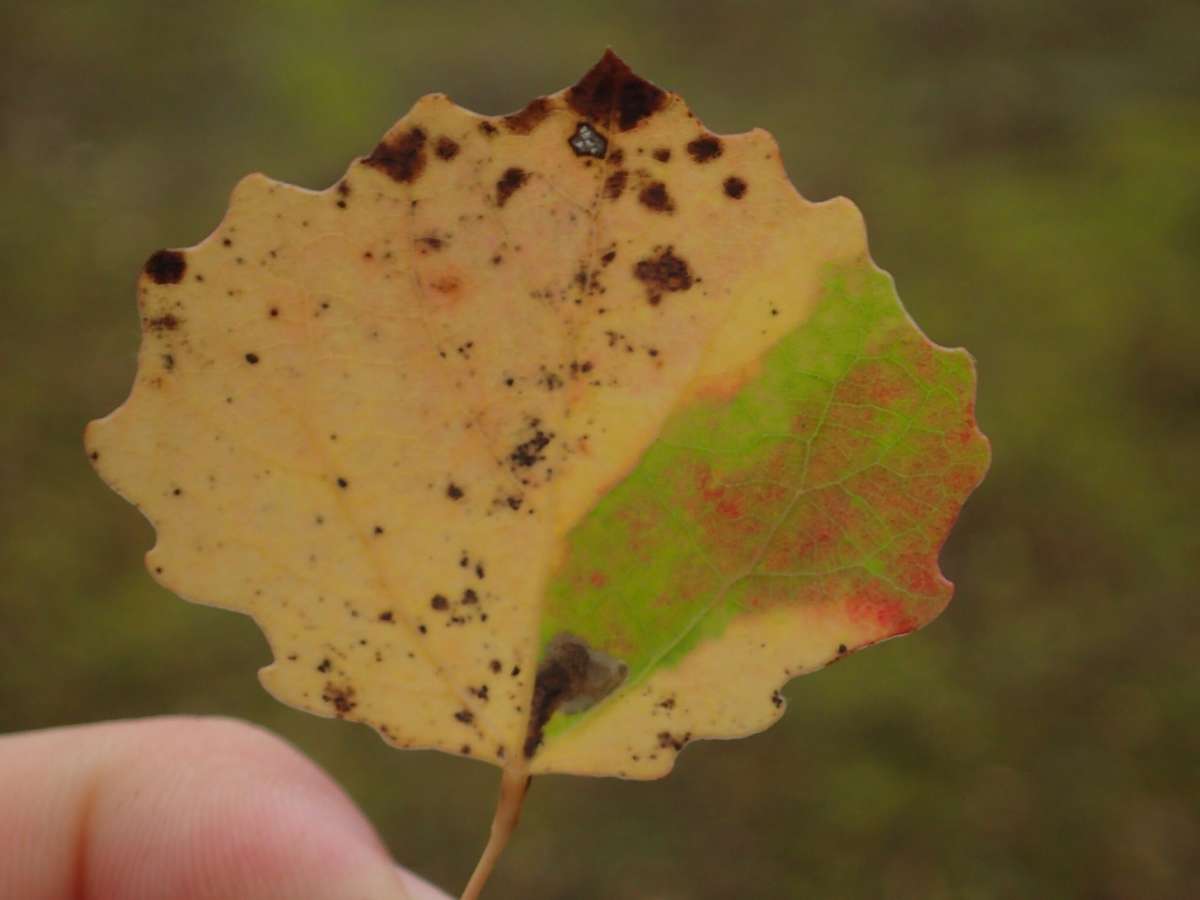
(559, 439)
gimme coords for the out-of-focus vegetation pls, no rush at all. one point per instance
(1030, 173)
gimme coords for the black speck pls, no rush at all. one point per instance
(453, 491)
(252, 358)
(342, 483)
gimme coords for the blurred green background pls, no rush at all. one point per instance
(1030, 173)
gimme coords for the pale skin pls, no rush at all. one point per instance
(182, 809)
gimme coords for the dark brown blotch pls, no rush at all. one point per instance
(529, 453)
(735, 187)
(529, 118)
(654, 196)
(614, 184)
(341, 697)
(166, 322)
(166, 266)
(662, 154)
(446, 149)
(512, 180)
(663, 273)
(401, 157)
(705, 148)
(610, 91)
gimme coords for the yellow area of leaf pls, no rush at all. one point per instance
(367, 416)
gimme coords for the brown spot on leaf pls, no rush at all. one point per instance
(252, 358)
(705, 148)
(654, 196)
(529, 453)
(512, 179)
(341, 697)
(166, 322)
(614, 184)
(662, 154)
(487, 128)
(447, 284)
(735, 187)
(529, 118)
(611, 92)
(402, 157)
(439, 602)
(446, 149)
(453, 491)
(166, 266)
(668, 741)
(430, 242)
(465, 716)
(664, 272)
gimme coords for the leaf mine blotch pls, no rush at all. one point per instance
(572, 677)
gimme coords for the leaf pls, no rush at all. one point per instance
(558, 439)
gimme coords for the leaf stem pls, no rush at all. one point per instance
(514, 782)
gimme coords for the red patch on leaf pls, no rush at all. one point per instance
(882, 614)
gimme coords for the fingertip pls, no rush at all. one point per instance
(196, 809)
